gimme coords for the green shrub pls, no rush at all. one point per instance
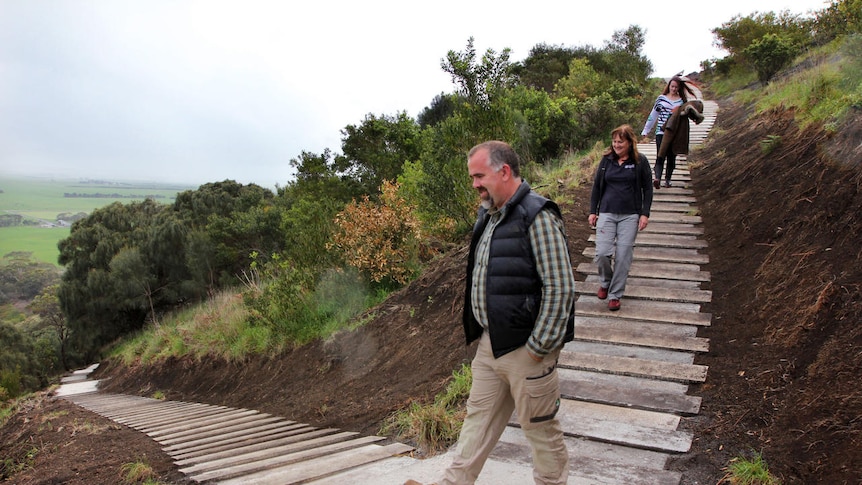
(770, 54)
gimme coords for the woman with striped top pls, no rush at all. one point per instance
(673, 96)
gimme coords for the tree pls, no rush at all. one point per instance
(442, 107)
(376, 150)
(479, 82)
(581, 82)
(133, 282)
(18, 369)
(47, 306)
(22, 277)
(622, 57)
(308, 226)
(544, 66)
(839, 18)
(317, 176)
(769, 55)
(87, 294)
(739, 33)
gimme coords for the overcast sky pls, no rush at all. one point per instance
(203, 91)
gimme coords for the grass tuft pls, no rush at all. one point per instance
(137, 472)
(434, 427)
(745, 471)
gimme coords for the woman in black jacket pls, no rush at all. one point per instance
(619, 208)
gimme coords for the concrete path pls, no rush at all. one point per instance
(624, 382)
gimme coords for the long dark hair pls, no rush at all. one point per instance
(683, 87)
(626, 133)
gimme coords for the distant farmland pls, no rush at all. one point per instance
(39, 202)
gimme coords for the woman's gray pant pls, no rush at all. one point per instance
(615, 242)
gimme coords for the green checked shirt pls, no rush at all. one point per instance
(548, 241)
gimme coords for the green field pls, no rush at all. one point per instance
(44, 199)
(41, 241)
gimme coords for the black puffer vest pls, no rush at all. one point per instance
(514, 288)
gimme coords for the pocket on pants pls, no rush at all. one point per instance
(544, 396)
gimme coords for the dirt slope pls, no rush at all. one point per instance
(785, 341)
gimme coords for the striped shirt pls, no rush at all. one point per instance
(660, 113)
(548, 240)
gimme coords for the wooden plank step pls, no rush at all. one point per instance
(651, 311)
(645, 334)
(667, 240)
(171, 415)
(659, 196)
(672, 216)
(215, 421)
(672, 228)
(326, 435)
(240, 438)
(216, 429)
(247, 463)
(594, 462)
(656, 293)
(656, 269)
(672, 255)
(590, 463)
(623, 426)
(652, 282)
(633, 392)
(627, 366)
(320, 467)
(673, 208)
(255, 422)
(658, 354)
(154, 410)
(194, 450)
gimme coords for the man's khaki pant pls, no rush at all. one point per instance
(514, 381)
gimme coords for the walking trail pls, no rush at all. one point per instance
(624, 383)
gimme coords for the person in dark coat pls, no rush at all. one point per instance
(677, 128)
(673, 96)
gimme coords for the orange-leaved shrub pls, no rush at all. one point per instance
(380, 239)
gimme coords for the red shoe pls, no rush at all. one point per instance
(614, 305)
(603, 293)
(656, 184)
